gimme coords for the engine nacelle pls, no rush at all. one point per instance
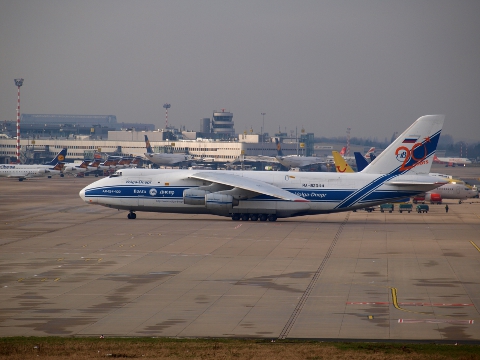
(219, 203)
(194, 196)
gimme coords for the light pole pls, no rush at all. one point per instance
(166, 106)
(263, 125)
(18, 83)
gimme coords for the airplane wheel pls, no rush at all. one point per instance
(272, 217)
(263, 217)
(244, 217)
(132, 215)
(254, 217)
(235, 217)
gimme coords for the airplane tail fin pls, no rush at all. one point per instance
(370, 151)
(362, 163)
(58, 166)
(340, 163)
(59, 158)
(343, 151)
(147, 145)
(279, 147)
(413, 151)
(95, 163)
(373, 156)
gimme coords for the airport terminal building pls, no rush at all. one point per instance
(132, 142)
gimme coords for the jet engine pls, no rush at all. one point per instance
(194, 196)
(220, 203)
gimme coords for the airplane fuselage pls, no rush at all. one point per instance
(167, 159)
(163, 191)
(26, 171)
(454, 191)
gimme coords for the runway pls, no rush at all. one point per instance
(72, 269)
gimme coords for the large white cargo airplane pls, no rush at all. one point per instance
(399, 172)
(23, 172)
(164, 158)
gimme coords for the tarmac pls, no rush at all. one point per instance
(72, 269)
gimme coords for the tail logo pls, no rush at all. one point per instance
(61, 157)
(404, 155)
(148, 143)
(339, 170)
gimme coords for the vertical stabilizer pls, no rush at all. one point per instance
(147, 145)
(413, 151)
(59, 158)
(279, 147)
(340, 163)
(362, 163)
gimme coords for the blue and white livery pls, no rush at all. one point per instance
(400, 171)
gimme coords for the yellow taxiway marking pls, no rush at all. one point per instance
(20, 280)
(60, 259)
(396, 306)
(475, 245)
(132, 245)
(84, 245)
(370, 317)
(56, 279)
(121, 246)
(44, 279)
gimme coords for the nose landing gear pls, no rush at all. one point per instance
(132, 215)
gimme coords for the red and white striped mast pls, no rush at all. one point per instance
(348, 142)
(18, 82)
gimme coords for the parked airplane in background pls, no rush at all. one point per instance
(400, 171)
(164, 158)
(340, 164)
(289, 161)
(22, 172)
(451, 161)
(350, 160)
(72, 168)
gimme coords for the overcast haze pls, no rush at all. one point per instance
(374, 66)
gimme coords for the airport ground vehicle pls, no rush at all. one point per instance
(387, 207)
(435, 198)
(419, 199)
(405, 207)
(422, 208)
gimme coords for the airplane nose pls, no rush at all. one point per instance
(82, 194)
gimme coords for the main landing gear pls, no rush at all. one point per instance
(132, 215)
(254, 217)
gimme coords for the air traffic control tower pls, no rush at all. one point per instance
(222, 124)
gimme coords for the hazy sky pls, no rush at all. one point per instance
(374, 66)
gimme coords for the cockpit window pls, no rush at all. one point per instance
(116, 174)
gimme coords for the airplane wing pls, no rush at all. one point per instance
(252, 185)
(410, 183)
